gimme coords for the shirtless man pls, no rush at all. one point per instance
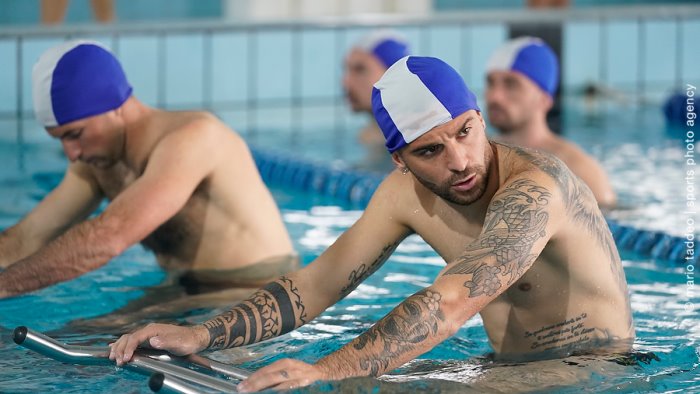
(182, 183)
(522, 77)
(525, 244)
(364, 65)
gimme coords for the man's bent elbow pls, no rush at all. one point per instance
(455, 312)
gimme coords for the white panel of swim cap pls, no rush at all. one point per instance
(370, 41)
(410, 104)
(42, 79)
(504, 57)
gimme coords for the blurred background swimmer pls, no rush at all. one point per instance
(365, 63)
(174, 181)
(522, 77)
(53, 12)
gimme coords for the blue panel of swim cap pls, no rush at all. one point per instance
(539, 63)
(392, 135)
(87, 81)
(675, 111)
(445, 83)
(389, 51)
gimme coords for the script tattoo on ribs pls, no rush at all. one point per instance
(269, 312)
(515, 220)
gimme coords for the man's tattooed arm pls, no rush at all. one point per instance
(516, 221)
(362, 272)
(514, 233)
(411, 329)
(271, 311)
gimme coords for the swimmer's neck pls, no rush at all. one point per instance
(138, 142)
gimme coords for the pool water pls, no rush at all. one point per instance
(644, 170)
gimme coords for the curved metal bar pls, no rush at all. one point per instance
(236, 373)
(40, 343)
(148, 365)
(161, 383)
(144, 360)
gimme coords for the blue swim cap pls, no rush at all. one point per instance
(415, 95)
(675, 110)
(75, 80)
(531, 57)
(387, 45)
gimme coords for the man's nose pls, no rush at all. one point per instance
(72, 149)
(457, 160)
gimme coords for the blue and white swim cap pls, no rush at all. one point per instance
(75, 80)
(531, 57)
(415, 95)
(387, 45)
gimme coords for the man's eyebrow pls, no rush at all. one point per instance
(421, 147)
(70, 131)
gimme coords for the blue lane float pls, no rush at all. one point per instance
(357, 188)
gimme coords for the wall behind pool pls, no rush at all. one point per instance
(23, 12)
(287, 77)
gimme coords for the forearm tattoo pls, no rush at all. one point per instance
(516, 219)
(358, 275)
(271, 311)
(404, 330)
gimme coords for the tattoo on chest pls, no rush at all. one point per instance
(273, 310)
(362, 272)
(401, 331)
(515, 221)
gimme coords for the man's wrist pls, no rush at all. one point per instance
(201, 334)
(328, 371)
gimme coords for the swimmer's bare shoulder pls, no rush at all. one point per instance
(587, 168)
(397, 196)
(198, 130)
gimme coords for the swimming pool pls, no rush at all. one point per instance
(645, 168)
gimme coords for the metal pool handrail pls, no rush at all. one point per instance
(144, 361)
(159, 382)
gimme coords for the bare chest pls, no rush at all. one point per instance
(177, 237)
